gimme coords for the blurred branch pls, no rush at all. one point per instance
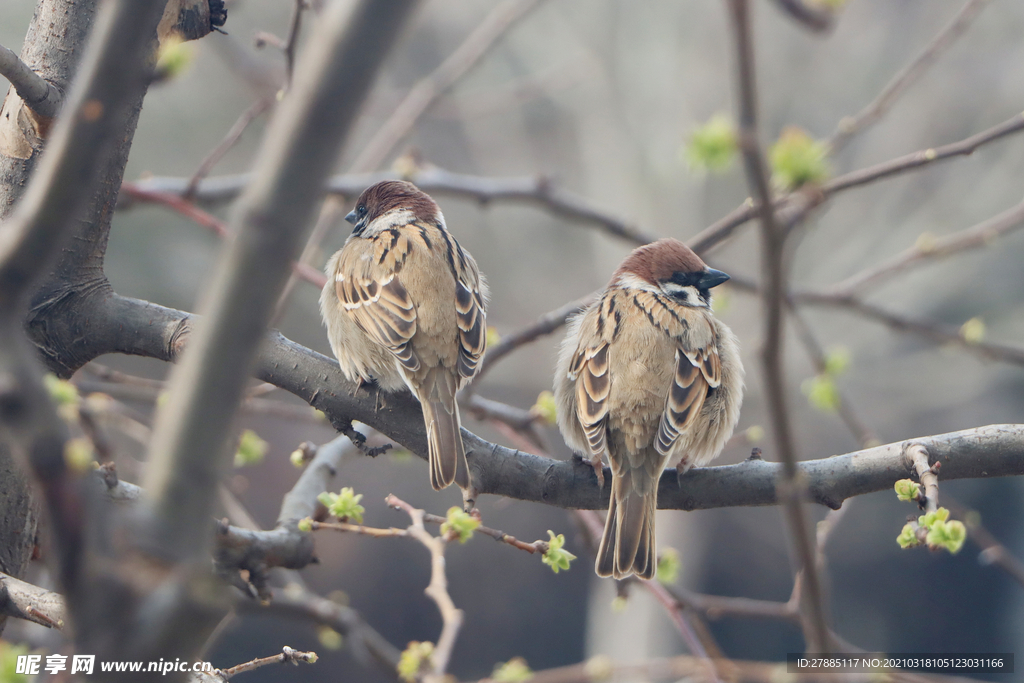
(816, 16)
(425, 92)
(992, 551)
(773, 238)
(365, 642)
(42, 97)
(543, 193)
(900, 323)
(724, 227)
(111, 75)
(254, 111)
(865, 435)
(301, 145)
(851, 125)
(546, 324)
(980, 235)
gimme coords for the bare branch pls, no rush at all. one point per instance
(43, 97)
(926, 474)
(437, 589)
(425, 93)
(773, 237)
(851, 125)
(300, 147)
(980, 235)
(287, 656)
(22, 600)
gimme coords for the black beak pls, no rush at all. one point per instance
(711, 278)
(351, 217)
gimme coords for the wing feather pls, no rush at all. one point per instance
(592, 388)
(685, 399)
(383, 309)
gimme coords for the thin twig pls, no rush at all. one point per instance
(437, 589)
(791, 487)
(42, 97)
(992, 551)
(425, 92)
(980, 235)
(926, 474)
(287, 656)
(851, 125)
(254, 111)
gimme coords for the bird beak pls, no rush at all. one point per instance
(711, 278)
(351, 217)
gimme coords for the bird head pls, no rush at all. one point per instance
(392, 203)
(669, 267)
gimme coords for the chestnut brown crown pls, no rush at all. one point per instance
(390, 195)
(671, 265)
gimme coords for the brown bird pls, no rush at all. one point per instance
(647, 375)
(404, 306)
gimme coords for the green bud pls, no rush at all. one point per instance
(949, 535)
(251, 449)
(837, 361)
(907, 490)
(822, 393)
(973, 331)
(62, 392)
(415, 659)
(797, 159)
(79, 455)
(907, 537)
(344, 505)
(556, 556)
(515, 670)
(545, 407)
(668, 566)
(927, 521)
(329, 638)
(460, 524)
(174, 57)
(305, 525)
(712, 147)
(297, 458)
(493, 337)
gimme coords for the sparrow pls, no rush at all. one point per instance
(648, 376)
(405, 307)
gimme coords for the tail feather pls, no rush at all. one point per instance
(627, 545)
(447, 454)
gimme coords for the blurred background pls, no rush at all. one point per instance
(602, 96)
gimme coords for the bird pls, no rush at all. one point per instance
(405, 307)
(647, 376)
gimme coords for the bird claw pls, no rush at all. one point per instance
(469, 496)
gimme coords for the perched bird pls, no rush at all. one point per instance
(647, 375)
(404, 306)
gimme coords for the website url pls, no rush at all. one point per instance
(86, 664)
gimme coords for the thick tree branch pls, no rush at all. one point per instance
(24, 601)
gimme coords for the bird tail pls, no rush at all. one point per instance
(627, 545)
(447, 455)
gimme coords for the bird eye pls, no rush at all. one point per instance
(361, 210)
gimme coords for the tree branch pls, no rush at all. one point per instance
(43, 97)
(425, 92)
(773, 239)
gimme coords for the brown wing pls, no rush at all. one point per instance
(685, 399)
(469, 310)
(593, 383)
(382, 308)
